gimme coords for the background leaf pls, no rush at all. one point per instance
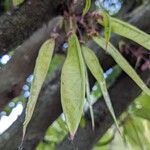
(121, 61)
(73, 85)
(40, 72)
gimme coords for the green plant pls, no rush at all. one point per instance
(74, 76)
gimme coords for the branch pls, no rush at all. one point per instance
(19, 24)
(47, 109)
(14, 74)
(86, 138)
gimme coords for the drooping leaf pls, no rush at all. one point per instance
(110, 80)
(87, 7)
(107, 27)
(122, 62)
(73, 85)
(130, 32)
(40, 72)
(97, 71)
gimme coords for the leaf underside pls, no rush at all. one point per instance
(73, 85)
(41, 67)
(97, 71)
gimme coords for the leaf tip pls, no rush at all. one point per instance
(71, 137)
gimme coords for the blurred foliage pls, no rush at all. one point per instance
(135, 127)
(53, 135)
(6, 5)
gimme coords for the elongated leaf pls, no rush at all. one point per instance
(97, 71)
(130, 32)
(107, 26)
(73, 85)
(87, 7)
(121, 61)
(40, 72)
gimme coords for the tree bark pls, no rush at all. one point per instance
(47, 109)
(20, 23)
(13, 75)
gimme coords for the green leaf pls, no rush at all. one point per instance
(73, 85)
(132, 132)
(110, 80)
(7, 5)
(40, 72)
(144, 100)
(87, 7)
(97, 71)
(143, 113)
(17, 2)
(130, 32)
(143, 109)
(122, 62)
(107, 27)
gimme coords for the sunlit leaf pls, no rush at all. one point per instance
(40, 72)
(97, 71)
(87, 7)
(122, 62)
(17, 2)
(73, 85)
(134, 132)
(130, 32)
